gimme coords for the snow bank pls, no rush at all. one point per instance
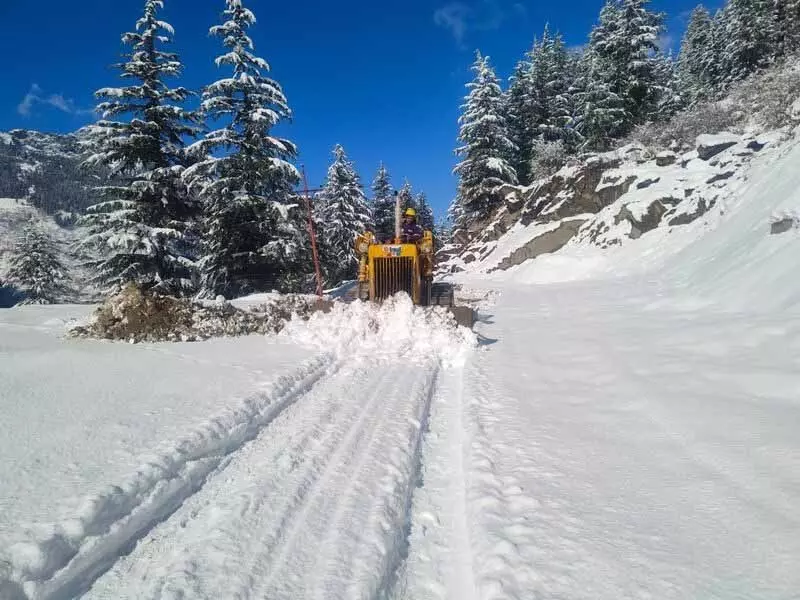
(52, 558)
(388, 331)
(739, 264)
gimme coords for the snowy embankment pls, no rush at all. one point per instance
(600, 449)
(624, 212)
(348, 418)
(628, 436)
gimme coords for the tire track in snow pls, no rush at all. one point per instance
(441, 564)
(382, 494)
(335, 504)
(71, 559)
(345, 451)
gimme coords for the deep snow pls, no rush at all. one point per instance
(597, 449)
(600, 437)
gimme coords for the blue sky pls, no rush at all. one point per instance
(384, 79)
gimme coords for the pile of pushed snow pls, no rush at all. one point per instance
(135, 315)
(388, 331)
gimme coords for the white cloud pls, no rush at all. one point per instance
(28, 101)
(36, 96)
(454, 17)
(461, 17)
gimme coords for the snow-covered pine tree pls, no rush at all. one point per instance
(484, 167)
(552, 80)
(36, 269)
(383, 204)
(425, 216)
(602, 114)
(786, 21)
(749, 38)
(253, 239)
(144, 225)
(345, 214)
(522, 111)
(695, 70)
(443, 233)
(626, 57)
(407, 199)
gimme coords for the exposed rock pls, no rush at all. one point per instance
(469, 258)
(547, 243)
(794, 111)
(721, 176)
(646, 183)
(573, 191)
(756, 146)
(688, 157)
(670, 201)
(514, 201)
(709, 146)
(635, 152)
(608, 193)
(648, 221)
(665, 159)
(495, 232)
(461, 237)
(783, 225)
(701, 207)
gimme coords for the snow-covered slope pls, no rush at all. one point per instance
(46, 168)
(620, 214)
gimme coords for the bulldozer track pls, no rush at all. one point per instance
(326, 486)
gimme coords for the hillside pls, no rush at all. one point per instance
(46, 169)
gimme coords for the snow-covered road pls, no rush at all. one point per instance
(599, 449)
(315, 507)
(597, 444)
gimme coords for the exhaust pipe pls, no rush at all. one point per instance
(397, 217)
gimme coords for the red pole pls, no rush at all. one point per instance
(313, 235)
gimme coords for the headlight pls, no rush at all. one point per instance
(363, 247)
(427, 248)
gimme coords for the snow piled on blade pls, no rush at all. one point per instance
(380, 332)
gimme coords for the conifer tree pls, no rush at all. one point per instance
(786, 22)
(345, 214)
(407, 199)
(484, 167)
(626, 59)
(696, 69)
(425, 216)
(749, 34)
(36, 269)
(253, 238)
(551, 78)
(383, 204)
(144, 225)
(602, 111)
(443, 233)
(521, 118)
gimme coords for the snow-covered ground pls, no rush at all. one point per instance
(598, 449)
(598, 438)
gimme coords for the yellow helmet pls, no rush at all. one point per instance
(410, 212)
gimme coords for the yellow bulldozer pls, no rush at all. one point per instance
(386, 269)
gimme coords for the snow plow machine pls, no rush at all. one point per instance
(386, 269)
